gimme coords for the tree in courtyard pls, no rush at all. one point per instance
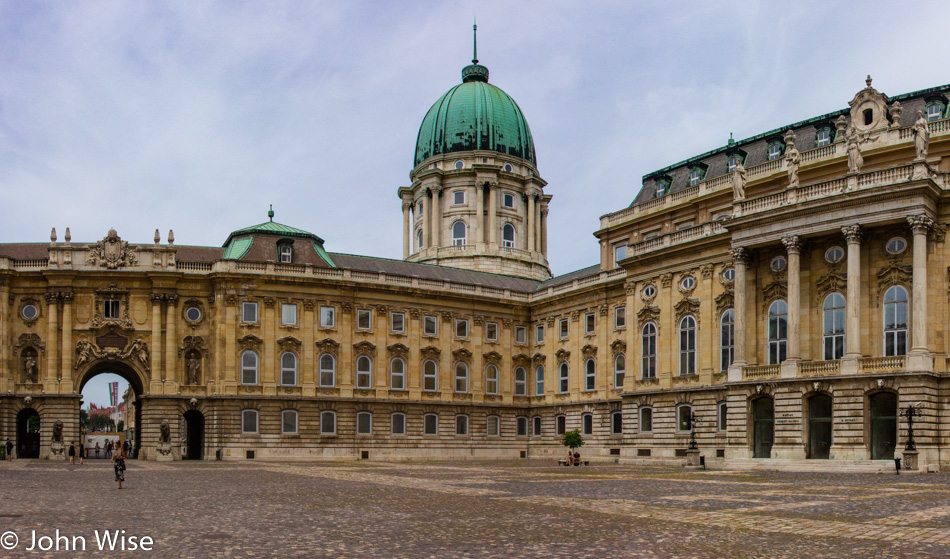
(572, 439)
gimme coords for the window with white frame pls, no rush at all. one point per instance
(249, 421)
(521, 335)
(695, 176)
(587, 424)
(616, 423)
(684, 418)
(646, 419)
(895, 321)
(590, 323)
(688, 345)
(833, 326)
(288, 314)
(430, 325)
(727, 339)
(521, 424)
(775, 150)
(508, 236)
(430, 376)
(539, 381)
(778, 332)
(364, 423)
(536, 426)
(732, 163)
(328, 422)
(649, 351)
(562, 378)
(288, 369)
(493, 426)
(461, 377)
(620, 370)
(397, 322)
(823, 137)
(620, 252)
(461, 425)
(327, 317)
(934, 111)
(430, 424)
(248, 311)
(327, 370)
(397, 374)
(491, 331)
(721, 409)
(286, 254)
(397, 423)
(111, 309)
(562, 328)
(288, 422)
(364, 372)
(491, 379)
(539, 333)
(458, 233)
(661, 187)
(521, 382)
(590, 375)
(249, 367)
(458, 197)
(620, 317)
(461, 328)
(560, 424)
(364, 319)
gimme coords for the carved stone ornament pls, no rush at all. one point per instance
(562, 355)
(364, 348)
(618, 346)
(521, 360)
(30, 301)
(57, 432)
(430, 352)
(855, 159)
(446, 316)
(921, 136)
(724, 300)
(112, 292)
(793, 244)
(327, 345)
(740, 255)
(193, 367)
(193, 403)
(880, 383)
(492, 357)
(250, 341)
(896, 111)
(111, 253)
(890, 275)
(190, 343)
(706, 270)
(939, 232)
(398, 350)
(629, 287)
(30, 340)
(829, 284)
(589, 351)
(289, 343)
(920, 224)
(506, 323)
(853, 234)
(869, 98)
(648, 314)
(192, 302)
(686, 291)
(462, 354)
(687, 307)
(666, 279)
(136, 352)
(772, 292)
(538, 359)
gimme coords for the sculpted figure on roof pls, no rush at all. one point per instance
(738, 181)
(855, 160)
(792, 159)
(921, 136)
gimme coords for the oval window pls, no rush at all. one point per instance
(896, 245)
(193, 314)
(729, 274)
(778, 264)
(834, 255)
(508, 167)
(688, 282)
(649, 291)
(459, 164)
(30, 312)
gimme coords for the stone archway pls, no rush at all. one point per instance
(137, 381)
(28, 433)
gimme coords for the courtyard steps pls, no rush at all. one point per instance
(826, 466)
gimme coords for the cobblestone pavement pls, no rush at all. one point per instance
(523, 509)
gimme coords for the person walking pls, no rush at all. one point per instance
(72, 452)
(82, 452)
(9, 450)
(97, 449)
(108, 448)
(118, 462)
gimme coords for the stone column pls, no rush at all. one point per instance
(66, 373)
(478, 224)
(156, 365)
(793, 244)
(493, 214)
(853, 234)
(740, 258)
(436, 216)
(231, 363)
(171, 373)
(52, 347)
(536, 233)
(428, 214)
(919, 357)
(406, 231)
(544, 230)
(8, 368)
(529, 233)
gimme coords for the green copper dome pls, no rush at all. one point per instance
(475, 115)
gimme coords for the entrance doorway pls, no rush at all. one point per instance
(883, 425)
(28, 433)
(819, 427)
(121, 402)
(763, 419)
(194, 435)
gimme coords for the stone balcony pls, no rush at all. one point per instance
(683, 236)
(804, 369)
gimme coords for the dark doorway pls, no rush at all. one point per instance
(28, 433)
(883, 425)
(194, 433)
(819, 427)
(763, 419)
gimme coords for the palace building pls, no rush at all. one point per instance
(778, 298)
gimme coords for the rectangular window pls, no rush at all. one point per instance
(493, 426)
(288, 422)
(430, 424)
(491, 331)
(522, 426)
(461, 425)
(364, 423)
(620, 252)
(722, 416)
(537, 426)
(430, 325)
(430, 375)
(458, 197)
(646, 420)
(562, 328)
(521, 335)
(508, 201)
(461, 328)
(616, 423)
(249, 421)
(249, 311)
(590, 323)
(286, 254)
(288, 314)
(364, 319)
(327, 423)
(327, 317)
(539, 333)
(398, 322)
(560, 425)
(110, 308)
(539, 381)
(562, 378)
(620, 317)
(398, 424)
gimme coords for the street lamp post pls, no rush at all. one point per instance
(910, 412)
(692, 431)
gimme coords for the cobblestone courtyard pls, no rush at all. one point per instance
(519, 509)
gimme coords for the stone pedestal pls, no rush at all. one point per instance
(692, 458)
(164, 453)
(910, 460)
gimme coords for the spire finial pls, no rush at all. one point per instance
(731, 141)
(475, 43)
(868, 80)
(270, 212)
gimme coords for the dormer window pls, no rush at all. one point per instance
(285, 251)
(731, 163)
(696, 175)
(662, 187)
(775, 150)
(823, 137)
(934, 111)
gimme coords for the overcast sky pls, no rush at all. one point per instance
(194, 116)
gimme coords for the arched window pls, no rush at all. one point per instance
(430, 424)
(620, 370)
(587, 424)
(418, 240)
(461, 424)
(364, 423)
(461, 377)
(327, 370)
(684, 418)
(458, 233)
(397, 374)
(649, 350)
(688, 346)
(249, 367)
(646, 419)
(539, 381)
(560, 424)
(249, 421)
(288, 369)
(590, 375)
(430, 376)
(833, 315)
(616, 423)
(397, 423)
(562, 378)
(491, 380)
(508, 236)
(521, 382)
(328, 422)
(288, 422)
(536, 426)
(364, 372)
(727, 339)
(778, 332)
(895, 320)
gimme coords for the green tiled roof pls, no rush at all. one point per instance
(237, 249)
(273, 228)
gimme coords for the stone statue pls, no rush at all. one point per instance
(738, 181)
(792, 159)
(140, 350)
(58, 431)
(194, 369)
(921, 136)
(165, 435)
(855, 160)
(85, 351)
(30, 370)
